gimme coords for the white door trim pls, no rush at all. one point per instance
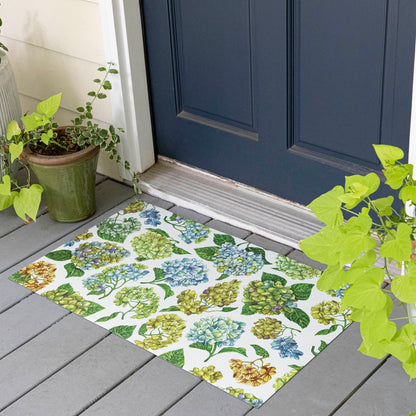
(123, 44)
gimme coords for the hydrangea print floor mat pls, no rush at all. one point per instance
(240, 317)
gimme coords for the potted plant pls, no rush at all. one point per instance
(374, 233)
(64, 159)
(9, 99)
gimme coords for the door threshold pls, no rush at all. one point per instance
(226, 200)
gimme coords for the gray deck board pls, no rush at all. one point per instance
(34, 361)
(387, 393)
(207, 400)
(268, 244)
(25, 320)
(148, 392)
(11, 293)
(228, 229)
(83, 381)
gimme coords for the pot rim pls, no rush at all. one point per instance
(47, 160)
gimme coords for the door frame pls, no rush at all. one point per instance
(121, 21)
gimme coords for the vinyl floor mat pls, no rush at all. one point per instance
(242, 318)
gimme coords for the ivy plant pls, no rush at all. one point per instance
(352, 250)
(40, 136)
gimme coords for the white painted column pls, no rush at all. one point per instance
(123, 42)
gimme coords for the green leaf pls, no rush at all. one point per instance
(45, 137)
(223, 276)
(5, 186)
(220, 239)
(355, 244)
(207, 253)
(408, 193)
(383, 205)
(302, 291)
(27, 202)
(107, 85)
(15, 150)
(101, 96)
(327, 207)
(157, 231)
(400, 247)
(395, 175)
(402, 344)
(7, 201)
(247, 310)
(60, 255)
(299, 367)
(200, 346)
(93, 308)
(96, 293)
(107, 318)
(273, 277)
(159, 274)
(123, 331)
(410, 369)
(298, 316)
(66, 287)
(101, 69)
(178, 250)
(49, 106)
(333, 277)
(13, 129)
(170, 309)
(323, 246)
(388, 155)
(73, 271)
(18, 278)
(321, 347)
(228, 309)
(366, 292)
(327, 331)
(358, 187)
(404, 287)
(167, 289)
(176, 357)
(260, 351)
(240, 350)
(359, 267)
(142, 330)
(34, 121)
(258, 250)
(375, 327)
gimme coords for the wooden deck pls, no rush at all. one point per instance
(53, 362)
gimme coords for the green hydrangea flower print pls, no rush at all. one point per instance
(151, 245)
(133, 207)
(93, 255)
(232, 260)
(294, 269)
(117, 229)
(269, 298)
(161, 331)
(142, 301)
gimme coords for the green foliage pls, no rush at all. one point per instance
(349, 250)
(39, 135)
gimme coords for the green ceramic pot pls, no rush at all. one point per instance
(68, 182)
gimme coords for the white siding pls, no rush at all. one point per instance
(56, 46)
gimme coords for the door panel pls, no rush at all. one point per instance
(286, 96)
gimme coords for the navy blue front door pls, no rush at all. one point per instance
(284, 95)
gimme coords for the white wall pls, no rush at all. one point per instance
(412, 147)
(56, 46)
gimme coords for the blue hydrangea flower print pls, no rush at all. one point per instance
(152, 217)
(194, 232)
(235, 261)
(184, 272)
(217, 331)
(287, 347)
(340, 292)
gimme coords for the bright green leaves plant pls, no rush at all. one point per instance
(327, 207)
(349, 248)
